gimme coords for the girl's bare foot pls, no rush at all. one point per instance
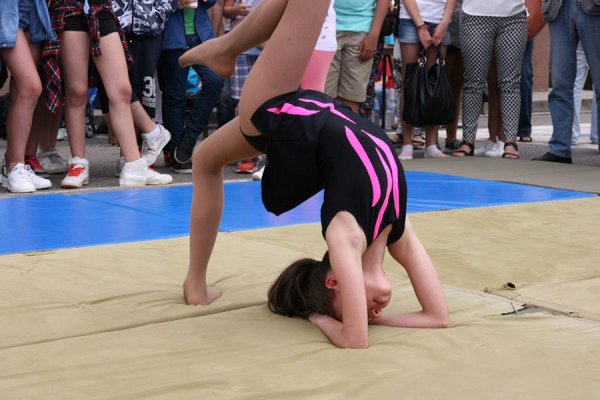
(212, 54)
(195, 295)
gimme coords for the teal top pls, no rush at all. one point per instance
(354, 15)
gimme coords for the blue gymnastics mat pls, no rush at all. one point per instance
(55, 221)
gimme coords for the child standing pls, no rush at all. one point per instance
(25, 25)
(84, 28)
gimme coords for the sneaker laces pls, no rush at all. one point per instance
(21, 174)
(76, 169)
(56, 158)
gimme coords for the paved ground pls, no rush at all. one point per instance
(103, 156)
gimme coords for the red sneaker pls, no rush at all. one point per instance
(247, 166)
(35, 165)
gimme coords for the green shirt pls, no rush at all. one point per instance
(189, 15)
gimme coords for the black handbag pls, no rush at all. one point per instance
(428, 98)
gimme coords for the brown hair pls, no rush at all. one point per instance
(300, 289)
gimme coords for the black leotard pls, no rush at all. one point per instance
(314, 142)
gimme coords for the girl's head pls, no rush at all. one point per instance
(308, 286)
(300, 289)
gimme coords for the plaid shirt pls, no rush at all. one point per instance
(60, 10)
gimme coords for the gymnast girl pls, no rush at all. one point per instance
(312, 142)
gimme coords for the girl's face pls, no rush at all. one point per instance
(378, 291)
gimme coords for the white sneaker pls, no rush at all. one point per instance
(257, 176)
(151, 148)
(137, 173)
(155, 178)
(406, 153)
(52, 162)
(61, 134)
(78, 175)
(480, 151)
(17, 181)
(496, 151)
(38, 181)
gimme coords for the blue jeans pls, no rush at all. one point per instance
(173, 84)
(571, 25)
(526, 92)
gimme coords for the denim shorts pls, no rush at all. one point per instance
(407, 32)
(25, 9)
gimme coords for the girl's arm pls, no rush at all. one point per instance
(413, 10)
(368, 47)
(346, 243)
(442, 28)
(411, 254)
(231, 10)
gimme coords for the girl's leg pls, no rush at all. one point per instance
(454, 66)
(25, 89)
(49, 122)
(281, 65)
(36, 130)
(477, 39)
(220, 54)
(494, 114)
(510, 47)
(224, 146)
(112, 68)
(141, 119)
(410, 54)
(431, 132)
(74, 65)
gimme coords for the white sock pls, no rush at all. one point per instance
(432, 150)
(407, 149)
(137, 163)
(153, 134)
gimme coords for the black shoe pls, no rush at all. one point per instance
(181, 168)
(554, 158)
(183, 151)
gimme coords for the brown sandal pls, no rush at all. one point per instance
(511, 156)
(462, 153)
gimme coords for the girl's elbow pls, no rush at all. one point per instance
(442, 321)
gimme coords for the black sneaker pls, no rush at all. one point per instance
(183, 151)
(181, 168)
(554, 158)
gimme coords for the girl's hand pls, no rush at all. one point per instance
(242, 9)
(425, 37)
(367, 48)
(440, 33)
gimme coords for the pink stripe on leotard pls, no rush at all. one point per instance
(291, 109)
(388, 176)
(362, 154)
(331, 107)
(392, 161)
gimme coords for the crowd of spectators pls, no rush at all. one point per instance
(55, 50)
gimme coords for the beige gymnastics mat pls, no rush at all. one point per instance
(109, 322)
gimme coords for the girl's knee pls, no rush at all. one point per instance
(121, 94)
(76, 95)
(30, 90)
(204, 164)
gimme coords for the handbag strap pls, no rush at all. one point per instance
(422, 60)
